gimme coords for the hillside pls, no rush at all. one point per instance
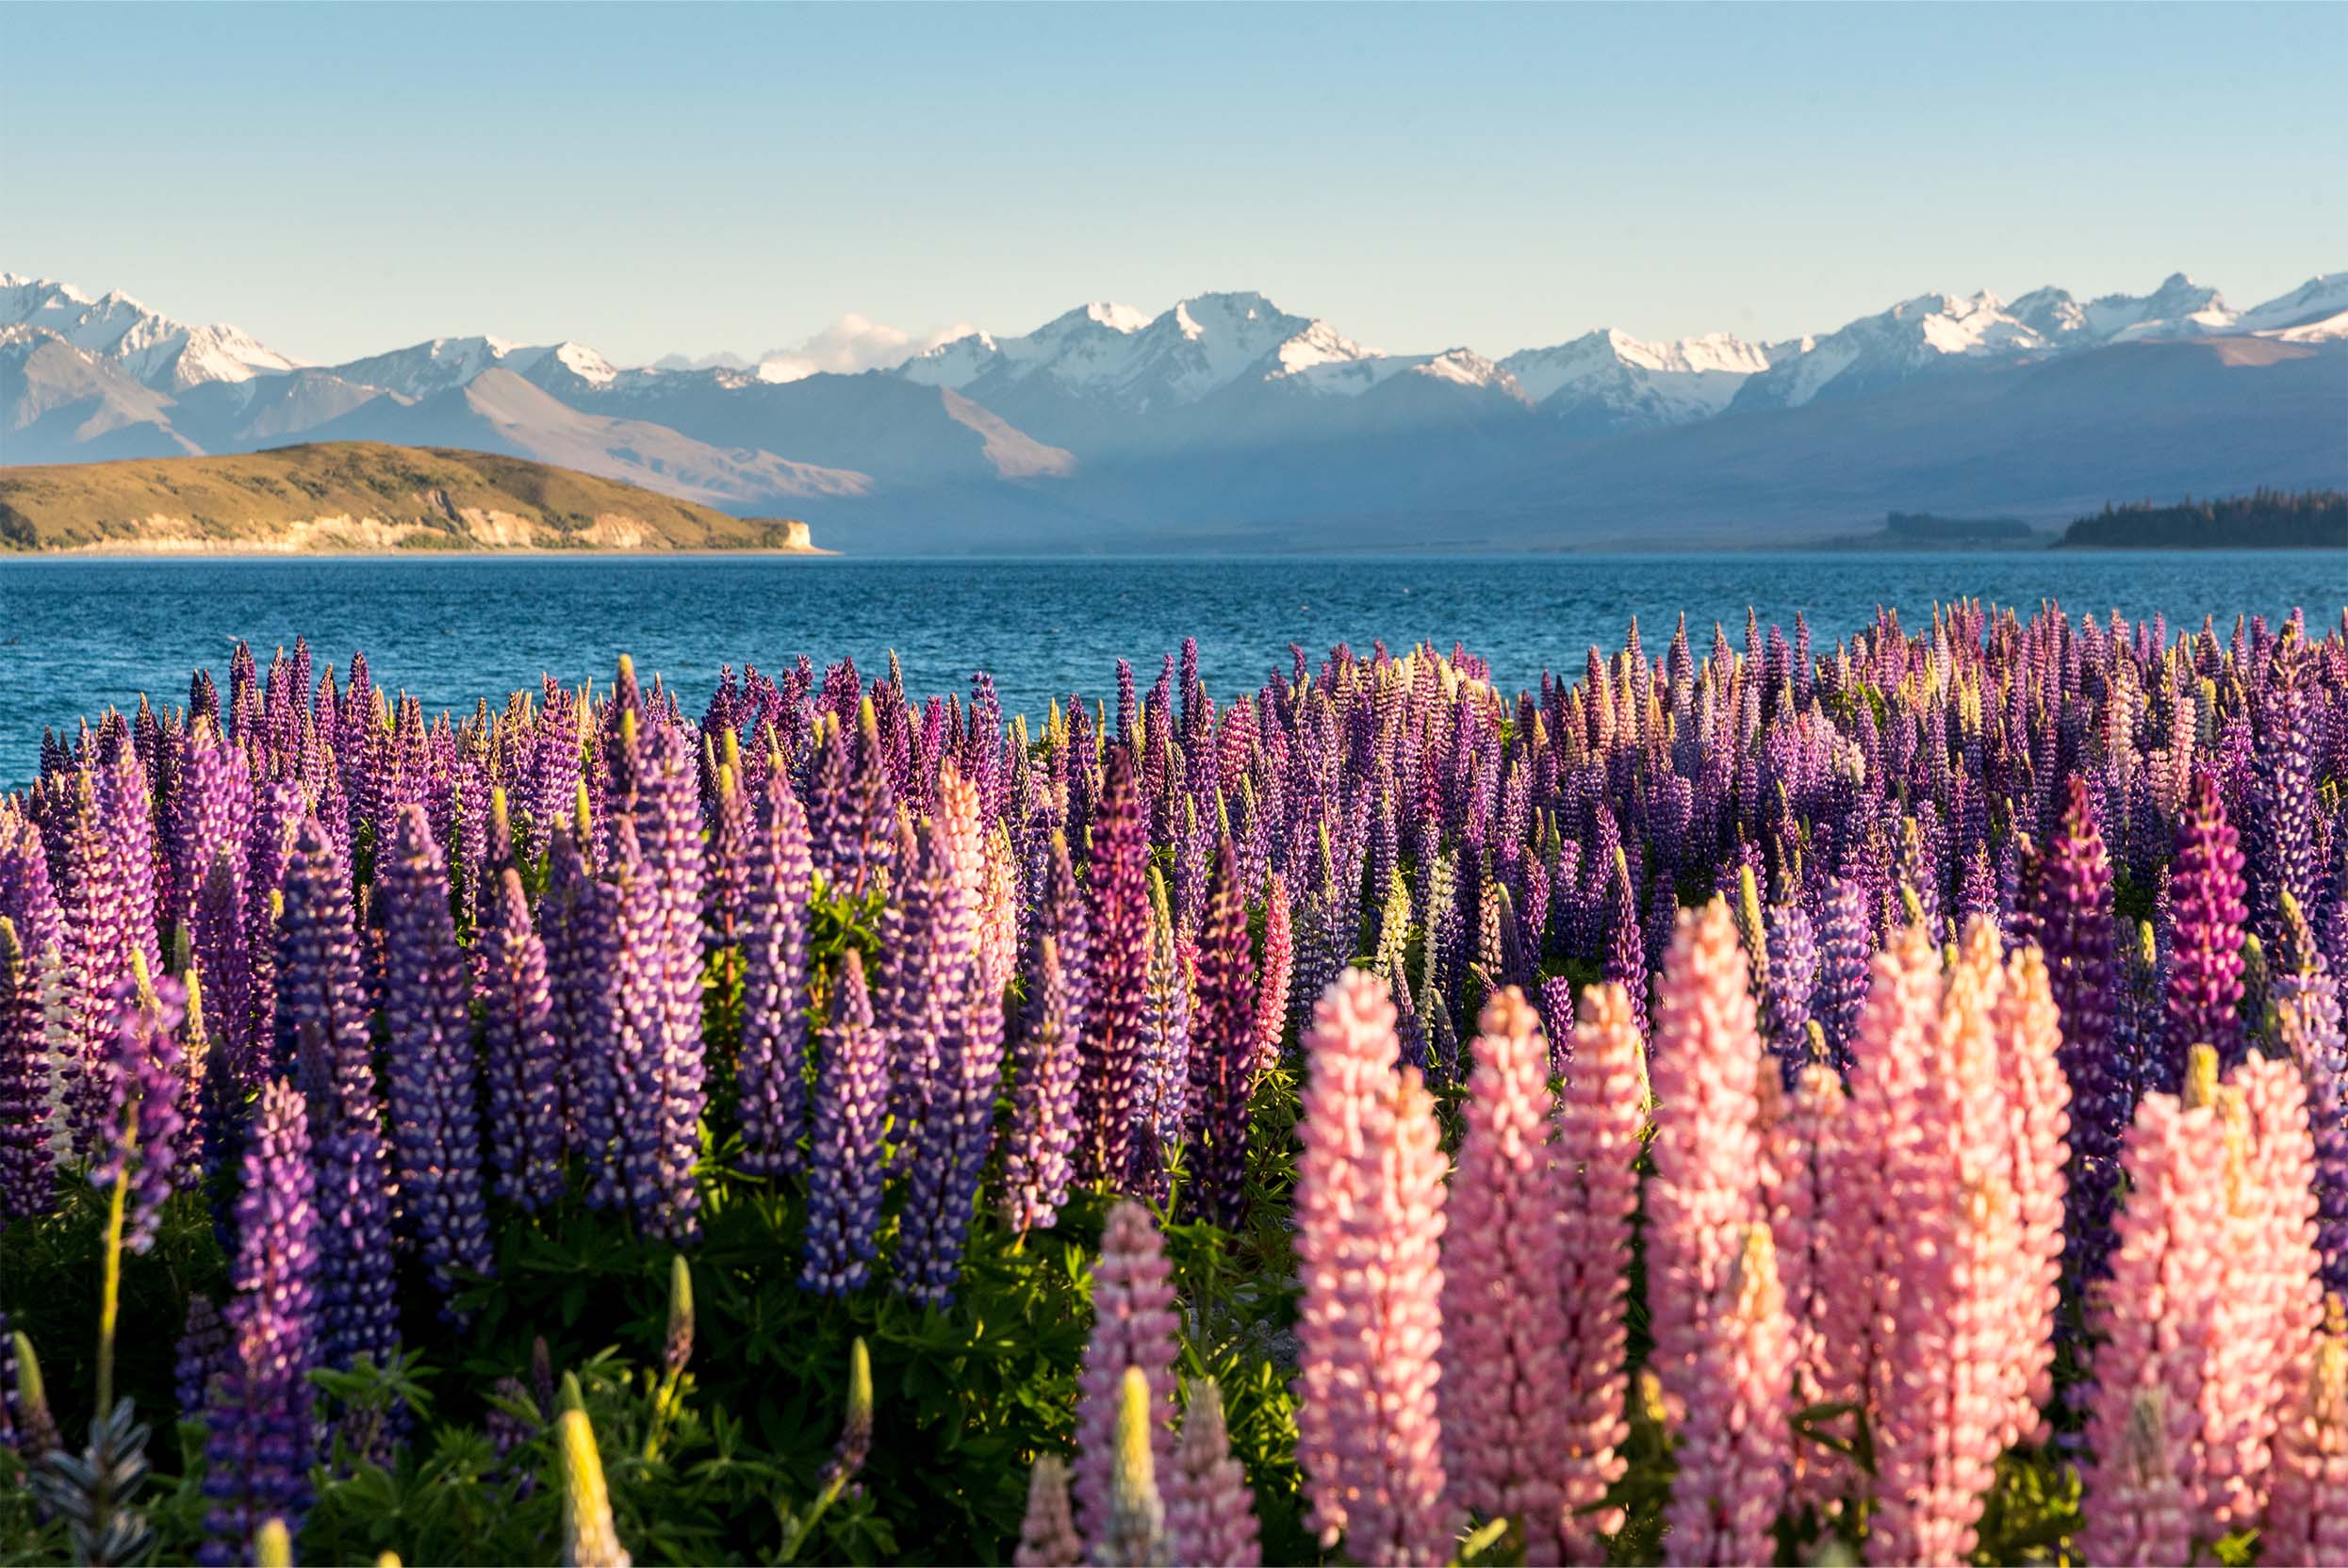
(357, 496)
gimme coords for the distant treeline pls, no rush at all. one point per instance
(2267, 519)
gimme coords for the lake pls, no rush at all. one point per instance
(77, 634)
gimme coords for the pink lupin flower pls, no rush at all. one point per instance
(1272, 994)
(2152, 1326)
(1369, 1221)
(1799, 1142)
(2029, 1031)
(1504, 1350)
(1210, 1510)
(1735, 1446)
(1859, 1217)
(2212, 1302)
(2305, 1521)
(1951, 1366)
(1722, 1355)
(1599, 1121)
(1047, 1536)
(1133, 1325)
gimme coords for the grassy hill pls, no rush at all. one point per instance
(357, 496)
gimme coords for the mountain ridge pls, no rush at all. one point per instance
(1226, 412)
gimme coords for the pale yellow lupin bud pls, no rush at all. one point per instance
(589, 1538)
(272, 1547)
(1137, 1515)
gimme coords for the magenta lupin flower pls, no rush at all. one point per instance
(2206, 939)
(1272, 981)
(1108, 1092)
(1369, 1328)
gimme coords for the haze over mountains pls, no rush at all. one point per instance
(1227, 422)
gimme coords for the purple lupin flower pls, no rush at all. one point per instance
(435, 1126)
(1788, 985)
(2206, 936)
(771, 1077)
(525, 1124)
(661, 950)
(2307, 1008)
(2070, 920)
(1625, 963)
(1223, 1048)
(222, 955)
(147, 1081)
(1037, 1164)
(200, 1355)
(580, 915)
(259, 1408)
(325, 1031)
(1118, 929)
(1845, 950)
(947, 985)
(1165, 1023)
(27, 1177)
(844, 1163)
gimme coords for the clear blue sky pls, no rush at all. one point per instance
(343, 179)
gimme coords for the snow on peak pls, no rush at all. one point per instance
(1616, 378)
(2311, 304)
(166, 354)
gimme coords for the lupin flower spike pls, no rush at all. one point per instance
(590, 1539)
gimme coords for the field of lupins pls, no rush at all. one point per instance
(1739, 1106)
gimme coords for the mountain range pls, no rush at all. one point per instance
(1227, 422)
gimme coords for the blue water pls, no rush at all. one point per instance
(77, 635)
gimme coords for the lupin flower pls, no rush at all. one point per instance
(145, 1124)
(436, 1128)
(2070, 920)
(1722, 1351)
(843, 1159)
(1734, 1442)
(1599, 1123)
(525, 1123)
(661, 949)
(1272, 981)
(27, 1176)
(200, 1355)
(1135, 1533)
(1788, 986)
(1223, 1048)
(771, 1076)
(590, 1539)
(1035, 1165)
(1210, 1510)
(1843, 949)
(1047, 1535)
(1108, 1090)
(321, 1027)
(2305, 1523)
(1369, 1221)
(259, 1409)
(1133, 1330)
(2206, 943)
(1505, 1354)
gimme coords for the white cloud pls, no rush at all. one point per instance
(851, 344)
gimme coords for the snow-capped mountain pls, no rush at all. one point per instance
(2314, 312)
(1610, 380)
(1144, 365)
(148, 345)
(1107, 427)
(445, 362)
